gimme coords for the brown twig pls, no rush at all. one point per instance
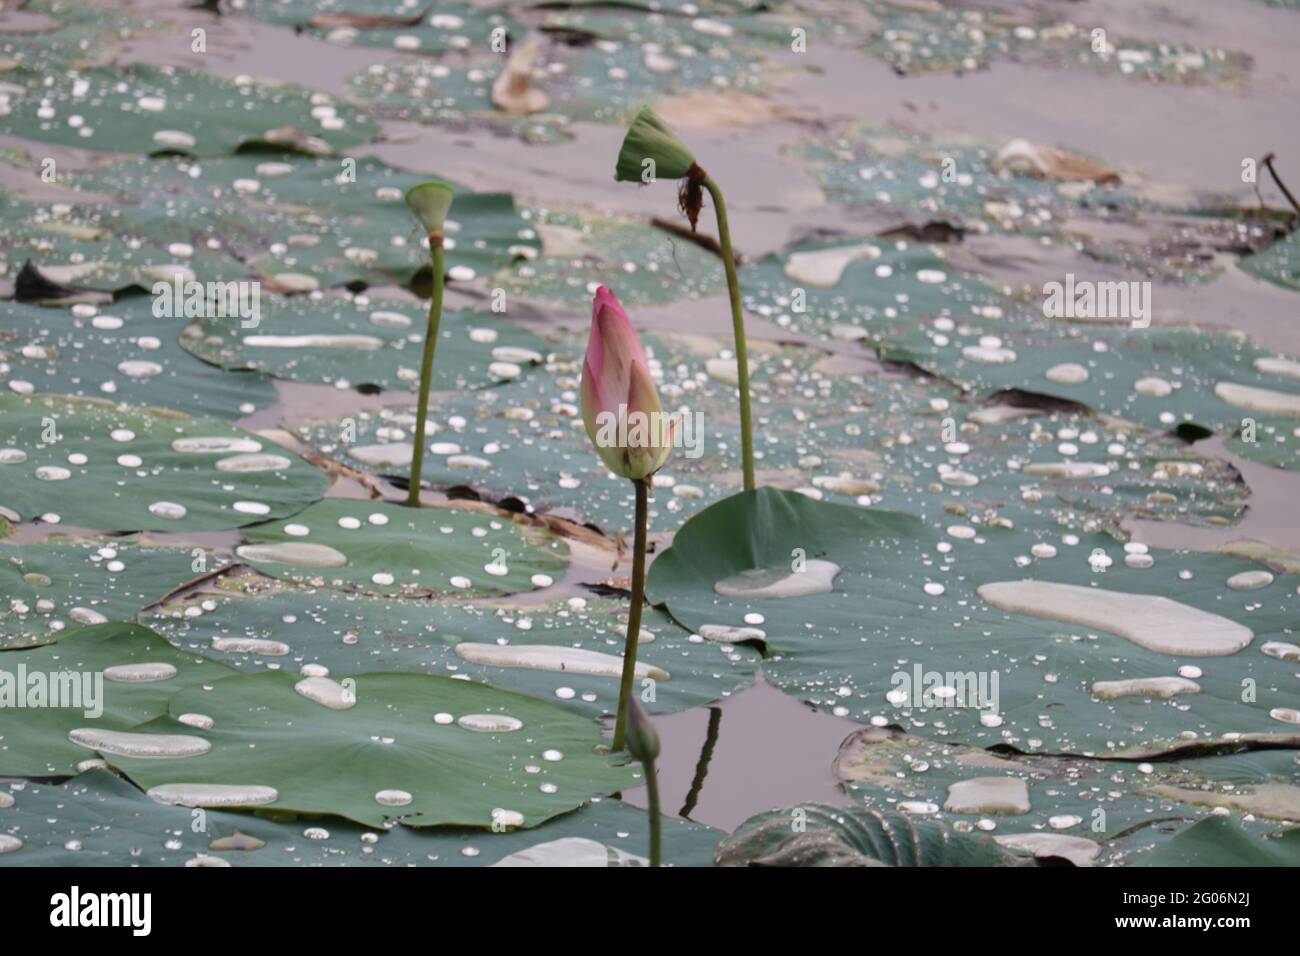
(1268, 162)
(677, 229)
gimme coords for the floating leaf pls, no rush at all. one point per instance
(100, 682)
(133, 468)
(391, 549)
(430, 751)
(58, 585)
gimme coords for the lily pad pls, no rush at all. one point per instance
(569, 652)
(1030, 639)
(100, 819)
(367, 342)
(149, 109)
(65, 584)
(1276, 442)
(430, 751)
(123, 351)
(1219, 841)
(1279, 263)
(131, 468)
(105, 679)
(391, 549)
(821, 835)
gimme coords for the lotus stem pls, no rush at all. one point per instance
(652, 795)
(738, 327)
(426, 371)
(634, 614)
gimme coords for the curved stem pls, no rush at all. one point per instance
(738, 327)
(652, 793)
(426, 374)
(634, 614)
(702, 765)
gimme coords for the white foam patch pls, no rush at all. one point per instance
(817, 577)
(121, 743)
(545, 657)
(993, 796)
(572, 851)
(213, 794)
(1148, 620)
(300, 553)
(824, 268)
(1161, 687)
(1262, 400)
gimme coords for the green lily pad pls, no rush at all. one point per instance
(305, 339)
(852, 289)
(120, 675)
(448, 27)
(576, 645)
(122, 351)
(1276, 443)
(1219, 841)
(100, 819)
(77, 34)
(292, 222)
(100, 465)
(1279, 263)
(886, 611)
(391, 549)
(60, 584)
(431, 738)
(1161, 377)
(148, 109)
(821, 835)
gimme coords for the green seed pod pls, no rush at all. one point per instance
(649, 137)
(430, 203)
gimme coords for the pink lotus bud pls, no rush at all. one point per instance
(620, 405)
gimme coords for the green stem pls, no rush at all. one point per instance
(652, 793)
(426, 373)
(634, 614)
(738, 326)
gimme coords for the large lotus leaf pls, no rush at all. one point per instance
(459, 752)
(1219, 842)
(392, 549)
(932, 38)
(124, 352)
(100, 819)
(869, 614)
(643, 264)
(68, 33)
(1279, 263)
(1276, 442)
(290, 629)
(59, 584)
(1085, 811)
(852, 289)
(437, 28)
(1161, 377)
(95, 464)
(873, 166)
(365, 342)
(90, 695)
(149, 109)
(323, 222)
(611, 64)
(821, 835)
